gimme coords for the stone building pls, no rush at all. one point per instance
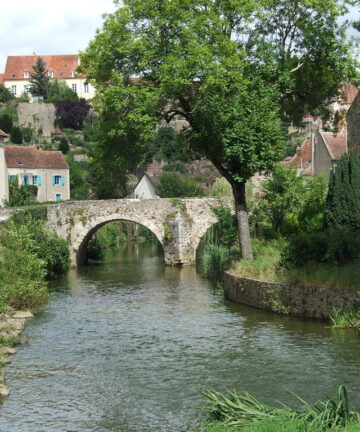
(48, 170)
(353, 127)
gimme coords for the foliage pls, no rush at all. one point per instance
(346, 319)
(22, 272)
(343, 199)
(244, 410)
(232, 71)
(172, 185)
(64, 145)
(39, 80)
(6, 123)
(58, 90)
(288, 204)
(23, 195)
(90, 127)
(79, 185)
(5, 94)
(16, 135)
(38, 212)
(51, 249)
(225, 231)
(167, 146)
(214, 261)
(221, 188)
(27, 133)
(72, 113)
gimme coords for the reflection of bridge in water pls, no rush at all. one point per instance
(178, 224)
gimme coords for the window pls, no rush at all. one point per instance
(13, 178)
(57, 197)
(73, 87)
(13, 89)
(26, 74)
(73, 73)
(50, 74)
(36, 180)
(86, 88)
(27, 89)
(26, 180)
(58, 180)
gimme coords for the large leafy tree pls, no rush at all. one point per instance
(39, 79)
(233, 69)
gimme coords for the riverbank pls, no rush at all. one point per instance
(12, 325)
(302, 301)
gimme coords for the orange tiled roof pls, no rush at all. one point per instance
(62, 66)
(3, 134)
(31, 157)
(336, 144)
(302, 159)
(1, 78)
(348, 93)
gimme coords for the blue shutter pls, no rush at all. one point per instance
(39, 180)
(53, 180)
(26, 180)
(62, 180)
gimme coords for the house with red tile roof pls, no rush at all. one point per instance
(302, 159)
(62, 67)
(327, 150)
(48, 170)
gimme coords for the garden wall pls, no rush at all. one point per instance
(310, 302)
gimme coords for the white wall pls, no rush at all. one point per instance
(145, 189)
(4, 185)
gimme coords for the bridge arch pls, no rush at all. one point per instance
(80, 244)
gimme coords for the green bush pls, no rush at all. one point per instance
(6, 123)
(16, 135)
(22, 272)
(172, 185)
(23, 195)
(5, 94)
(214, 261)
(64, 145)
(27, 133)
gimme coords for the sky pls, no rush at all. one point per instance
(46, 27)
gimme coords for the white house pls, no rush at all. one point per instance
(4, 186)
(145, 189)
(48, 170)
(63, 67)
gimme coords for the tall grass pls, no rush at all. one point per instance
(245, 412)
(346, 319)
(214, 261)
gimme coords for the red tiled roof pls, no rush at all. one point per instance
(3, 134)
(348, 93)
(61, 65)
(302, 159)
(31, 157)
(336, 144)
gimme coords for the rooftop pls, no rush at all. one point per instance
(302, 159)
(336, 144)
(20, 67)
(31, 157)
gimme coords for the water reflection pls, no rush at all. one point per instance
(128, 345)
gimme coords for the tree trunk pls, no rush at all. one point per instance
(242, 218)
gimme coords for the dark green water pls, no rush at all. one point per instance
(128, 345)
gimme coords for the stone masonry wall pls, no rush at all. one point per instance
(37, 115)
(310, 302)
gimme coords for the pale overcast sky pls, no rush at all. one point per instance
(47, 27)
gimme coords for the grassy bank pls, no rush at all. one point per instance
(242, 412)
(267, 266)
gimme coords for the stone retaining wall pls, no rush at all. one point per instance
(310, 302)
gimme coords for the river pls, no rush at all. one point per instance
(128, 345)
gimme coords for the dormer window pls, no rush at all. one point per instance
(13, 75)
(50, 74)
(26, 74)
(73, 73)
(61, 73)
(20, 162)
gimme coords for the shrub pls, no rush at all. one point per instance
(64, 145)
(27, 133)
(172, 185)
(305, 247)
(16, 135)
(214, 261)
(6, 123)
(23, 195)
(343, 198)
(221, 188)
(5, 94)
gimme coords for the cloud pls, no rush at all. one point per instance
(46, 27)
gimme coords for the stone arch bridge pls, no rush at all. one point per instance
(178, 224)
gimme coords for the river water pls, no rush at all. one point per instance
(129, 344)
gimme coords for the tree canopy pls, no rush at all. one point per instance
(39, 79)
(233, 70)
